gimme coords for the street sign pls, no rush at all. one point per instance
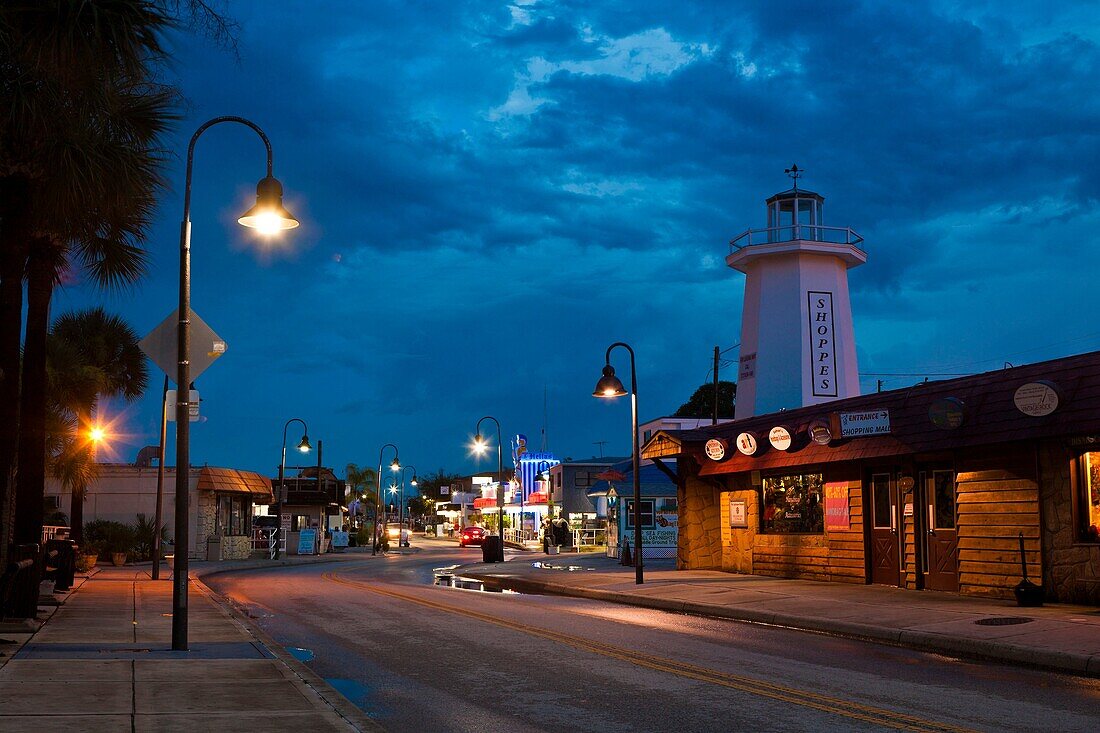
(162, 344)
(872, 422)
(193, 405)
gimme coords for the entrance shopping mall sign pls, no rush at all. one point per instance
(871, 422)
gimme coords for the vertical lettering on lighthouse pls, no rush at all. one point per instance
(822, 364)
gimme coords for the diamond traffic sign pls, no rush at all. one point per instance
(162, 345)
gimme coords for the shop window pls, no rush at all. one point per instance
(582, 479)
(792, 504)
(234, 514)
(1088, 497)
(646, 506)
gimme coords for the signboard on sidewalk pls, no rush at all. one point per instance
(306, 540)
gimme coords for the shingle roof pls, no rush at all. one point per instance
(234, 480)
(991, 417)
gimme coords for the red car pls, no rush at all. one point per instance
(472, 536)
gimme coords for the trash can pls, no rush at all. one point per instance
(492, 549)
(214, 548)
(64, 563)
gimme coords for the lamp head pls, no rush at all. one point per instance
(303, 444)
(395, 466)
(414, 480)
(480, 446)
(268, 216)
(609, 385)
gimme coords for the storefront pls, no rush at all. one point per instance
(659, 511)
(929, 487)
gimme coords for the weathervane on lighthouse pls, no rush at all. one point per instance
(797, 338)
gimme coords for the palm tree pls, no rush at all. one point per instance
(94, 355)
(361, 483)
(80, 129)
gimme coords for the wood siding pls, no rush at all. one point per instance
(994, 506)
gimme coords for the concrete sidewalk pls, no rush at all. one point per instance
(103, 662)
(1057, 636)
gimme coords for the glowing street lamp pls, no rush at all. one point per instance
(480, 446)
(395, 466)
(303, 447)
(267, 216)
(610, 386)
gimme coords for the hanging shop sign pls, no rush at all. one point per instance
(871, 422)
(1037, 399)
(780, 437)
(747, 443)
(716, 449)
(820, 432)
(739, 516)
(947, 414)
(836, 506)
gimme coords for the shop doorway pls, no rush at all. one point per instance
(885, 545)
(939, 538)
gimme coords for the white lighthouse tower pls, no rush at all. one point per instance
(797, 342)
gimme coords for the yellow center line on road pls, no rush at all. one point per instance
(750, 685)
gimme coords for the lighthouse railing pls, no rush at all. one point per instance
(792, 232)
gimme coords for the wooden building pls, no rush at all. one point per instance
(928, 487)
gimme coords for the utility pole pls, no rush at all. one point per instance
(717, 354)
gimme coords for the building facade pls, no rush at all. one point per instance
(932, 487)
(222, 502)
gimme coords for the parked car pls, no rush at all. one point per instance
(472, 536)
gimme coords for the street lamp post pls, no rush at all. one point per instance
(394, 466)
(269, 216)
(611, 386)
(480, 446)
(304, 447)
(401, 507)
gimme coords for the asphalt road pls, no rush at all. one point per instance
(417, 657)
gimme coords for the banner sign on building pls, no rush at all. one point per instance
(822, 344)
(836, 506)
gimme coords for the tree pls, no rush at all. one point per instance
(429, 485)
(81, 159)
(361, 482)
(701, 402)
(94, 355)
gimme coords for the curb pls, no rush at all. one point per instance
(975, 649)
(340, 705)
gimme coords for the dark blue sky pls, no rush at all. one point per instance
(492, 193)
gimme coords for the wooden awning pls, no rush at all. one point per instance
(236, 481)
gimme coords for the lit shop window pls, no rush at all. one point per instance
(1089, 497)
(233, 514)
(792, 505)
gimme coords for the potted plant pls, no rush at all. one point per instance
(89, 555)
(119, 542)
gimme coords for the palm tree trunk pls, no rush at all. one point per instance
(31, 479)
(13, 262)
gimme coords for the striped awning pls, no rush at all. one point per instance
(236, 481)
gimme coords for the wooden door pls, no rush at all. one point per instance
(885, 548)
(941, 539)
